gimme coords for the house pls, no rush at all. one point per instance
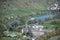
(36, 27)
(12, 35)
(24, 30)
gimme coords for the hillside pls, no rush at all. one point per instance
(21, 7)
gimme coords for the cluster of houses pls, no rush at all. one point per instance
(35, 29)
(54, 7)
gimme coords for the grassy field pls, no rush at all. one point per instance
(22, 7)
(14, 32)
(49, 24)
(6, 38)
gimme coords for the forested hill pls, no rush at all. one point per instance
(21, 7)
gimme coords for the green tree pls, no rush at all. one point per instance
(2, 28)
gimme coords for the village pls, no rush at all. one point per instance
(30, 31)
(29, 19)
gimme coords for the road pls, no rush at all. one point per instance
(54, 38)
